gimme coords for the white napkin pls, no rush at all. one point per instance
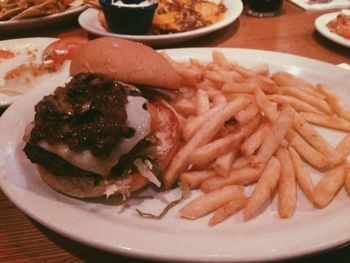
(304, 4)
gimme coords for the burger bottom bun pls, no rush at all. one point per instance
(88, 187)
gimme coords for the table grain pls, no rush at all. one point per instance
(24, 240)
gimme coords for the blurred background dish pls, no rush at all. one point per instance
(90, 21)
(7, 25)
(321, 26)
(28, 62)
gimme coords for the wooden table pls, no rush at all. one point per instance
(24, 240)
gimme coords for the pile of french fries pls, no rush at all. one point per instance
(244, 126)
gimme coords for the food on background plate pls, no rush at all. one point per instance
(27, 75)
(24, 9)
(185, 15)
(341, 24)
(238, 148)
(98, 135)
(180, 15)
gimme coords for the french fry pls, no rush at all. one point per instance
(282, 79)
(228, 210)
(189, 75)
(307, 152)
(209, 202)
(211, 151)
(277, 134)
(240, 162)
(185, 107)
(212, 92)
(245, 72)
(234, 96)
(243, 176)
(219, 99)
(202, 102)
(343, 147)
(302, 176)
(231, 75)
(239, 87)
(334, 102)
(264, 188)
(220, 59)
(266, 84)
(216, 76)
(205, 84)
(287, 195)
(192, 126)
(203, 136)
(347, 182)
(261, 69)
(316, 140)
(330, 184)
(265, 105)
(327, 121)
(223, 164)
(247, 114)
(287, 79)
(320, 104)
(194, 179)
(253, 142)
(196, 63)
(296, 104)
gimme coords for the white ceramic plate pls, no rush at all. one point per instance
(27, 50)
(321, 26)
(108, 225)
(40, 21)
(89, 21)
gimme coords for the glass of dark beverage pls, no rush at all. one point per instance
(263, 8)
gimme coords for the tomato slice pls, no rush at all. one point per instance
(60, 51)
(6, 54)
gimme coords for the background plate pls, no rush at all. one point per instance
(89, 21)
(117, 228)
(40, 21)
(21, 47)
(320, 24)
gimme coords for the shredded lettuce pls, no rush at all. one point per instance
(185, 193)
(144, 150)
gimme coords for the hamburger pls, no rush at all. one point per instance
(98, 135)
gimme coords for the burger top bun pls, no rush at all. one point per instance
(126, 61)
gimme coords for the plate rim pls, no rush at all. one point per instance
(320, 24)
(139, 254)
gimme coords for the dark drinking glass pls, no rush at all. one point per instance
(263, 8)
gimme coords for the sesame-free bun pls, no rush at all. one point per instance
(126, 61)
(88, 187)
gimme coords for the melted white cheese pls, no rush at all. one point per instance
(137, 118)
